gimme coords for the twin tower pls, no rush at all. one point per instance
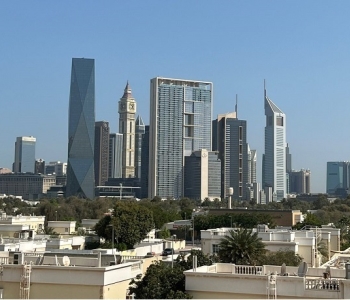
(81, 131)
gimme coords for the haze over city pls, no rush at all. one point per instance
(300, 48)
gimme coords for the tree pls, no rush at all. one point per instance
(278, 258)
(160, 282)
(241, 247)
(131, 223)
(202, 259)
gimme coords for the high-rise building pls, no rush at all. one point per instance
(180, 123)
(338, 177)
(233, 153)
(81, 127)
(115, 155)
(39, 166)
(274, 160)
(101, 152)
(299, 181)
(202, 175)
(127, 111)
(145, 162)
(288, 160)
(24, 154)
(252, 158)
(139, 132)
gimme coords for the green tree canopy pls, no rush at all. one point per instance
(278, 258)
(242, 247)
(131, 223)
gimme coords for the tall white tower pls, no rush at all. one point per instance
(127, 111)
(274, 161)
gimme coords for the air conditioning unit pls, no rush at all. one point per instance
(18, 258)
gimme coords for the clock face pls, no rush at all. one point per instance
(131, 105)
(122, 106)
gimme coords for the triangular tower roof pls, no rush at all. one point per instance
(139, 121)
(127, 91)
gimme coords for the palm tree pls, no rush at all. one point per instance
(241, 247)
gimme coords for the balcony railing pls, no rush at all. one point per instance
(331, 285)
(248, 270)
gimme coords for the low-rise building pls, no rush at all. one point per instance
(62, 227)
(229, 281)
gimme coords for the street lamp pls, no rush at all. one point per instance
(112, 238)
(231, 221)
(185, 229)
(193, 227)
(172, 251)
(56, 214)
(120, 191)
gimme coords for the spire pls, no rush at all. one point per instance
(127, 91)
(264, 89)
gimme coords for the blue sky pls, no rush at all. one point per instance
(301, 48)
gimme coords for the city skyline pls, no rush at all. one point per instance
(304, 60)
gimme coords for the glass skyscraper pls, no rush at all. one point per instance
(115, 155)
(180, 123)
(274, 159)
(139, 132)
(24, 154)
(81, 129)
(338, 177)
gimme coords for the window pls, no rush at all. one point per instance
(216, 248)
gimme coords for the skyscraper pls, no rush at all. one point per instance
(101, 152)
(81, 123)
(24, 154)
(180, 123)
(39, 166)
(288, 160)
(139, 132)
(299, 181)
(274, 160)
(145, 163)
(233, 153)
(127, 111)
(115, 155)
(338, 177)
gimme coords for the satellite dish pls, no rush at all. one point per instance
(302, 269)
(66, 261)
(283, 269)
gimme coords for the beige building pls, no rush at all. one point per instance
(127, 111)
(60, 278)
(62, 227)
(20, 226)
(228, 281)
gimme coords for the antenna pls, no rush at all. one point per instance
(236, 106)
(302, 269)
(66, 261)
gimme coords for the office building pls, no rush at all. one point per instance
(56, 168)
(299, 181)
(180, 123)
(202, 175)
(127, 111)
(115, 155)
(24, 155)
(233, 153)
(81, 129)
(288, 160)
(274, 160)
(39, 166)
(27, 185)
(338, 177)
(252, 158)
(145, 162)
(101, 152)
(139, 132)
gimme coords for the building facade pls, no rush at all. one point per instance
(127, 111)
(27, 185)
(274, 161)
(56, 168)
(24, 154)
(101, 152)
(180, 123)
(145, 163)
(39, 166)
(115, 155)
(233, 153)
(338, 177)
(81, 129)
(299, 181)
(139, 132)
(202, 175)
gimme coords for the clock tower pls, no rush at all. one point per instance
(127, 111)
